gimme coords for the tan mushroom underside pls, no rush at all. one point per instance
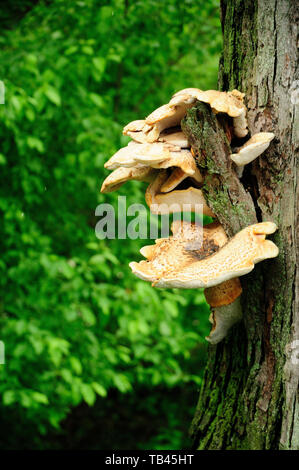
(160, 155)
(147, 154)
(190, 199)
(176, 177)
(254, 147)
(177, 138)
(119, 176)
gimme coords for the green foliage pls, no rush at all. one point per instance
(75, 322)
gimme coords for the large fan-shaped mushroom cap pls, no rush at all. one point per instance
(189, 240)
(231, 103)
(193, 92)
(234, 259)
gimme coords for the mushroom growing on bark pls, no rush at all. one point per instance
(252, 149)
(175, 138)
(236, 258)
(162, 202)
(184, 261)
(230, 103)
(119, 176)
(160, 154)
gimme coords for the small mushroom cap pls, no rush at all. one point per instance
(223, 294)
(149, 134)
(167, 116)
(223, 102)
(141, 132)
(170, 156)
(181, 158)
(178, 200)
(174, 201)
(139, 136)
(134, 153)
(177, 176)
(123, 157)
(163, 112)
(231, 103)
(234, 259)
(175, 138)
(134, 126)
(188, 91)
(160, 155)
(182, 99)
(254, 147)
(119, 176)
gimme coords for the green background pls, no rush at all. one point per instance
(95, 358)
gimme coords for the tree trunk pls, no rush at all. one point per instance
(249, 398)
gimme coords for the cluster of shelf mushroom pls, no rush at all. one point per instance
(160, 154)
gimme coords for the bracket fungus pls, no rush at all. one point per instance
(162, 197)
(230, 103)
(175, 138)
(252, 149)
(215, 264)
(195, 256)
(236, 258)
(121, 175)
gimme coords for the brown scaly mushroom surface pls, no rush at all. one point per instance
(191, 240)
(235, 258)
(192, 259)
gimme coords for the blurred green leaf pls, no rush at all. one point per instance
(53, 95)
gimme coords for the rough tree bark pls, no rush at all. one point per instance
(249, 398)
